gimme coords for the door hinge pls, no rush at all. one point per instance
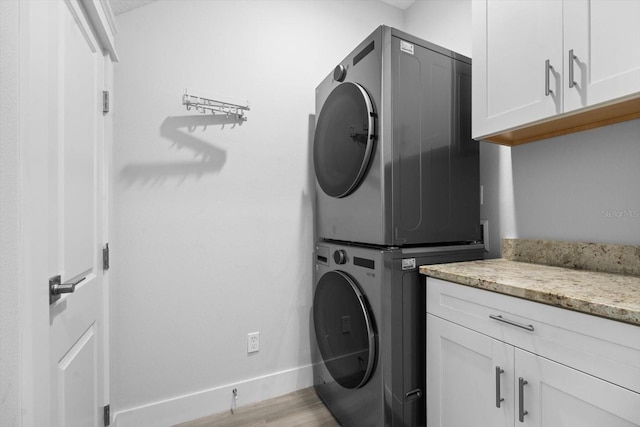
(107, 415)
(105, 257)
(105, 101)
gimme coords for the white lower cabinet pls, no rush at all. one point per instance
(556, 395)
(461, 377)
(475, 380)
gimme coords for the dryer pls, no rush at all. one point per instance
(394, 160)
(369, 324)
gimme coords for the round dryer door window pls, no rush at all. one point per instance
(344, 329)
(344, 139)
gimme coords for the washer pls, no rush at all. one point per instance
(393, 155)
(369, 327)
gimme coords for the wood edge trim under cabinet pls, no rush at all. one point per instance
(591, 118)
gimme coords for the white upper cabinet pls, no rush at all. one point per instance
(512, 42)
(538, 62)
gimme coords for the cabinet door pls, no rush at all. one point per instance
(511, 43)
(558, 396)
(604, 37)
(461, 377)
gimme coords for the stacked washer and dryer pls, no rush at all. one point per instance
(397, 186)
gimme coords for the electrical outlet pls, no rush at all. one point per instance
(253, 342)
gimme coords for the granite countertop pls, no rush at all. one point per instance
(612, 295)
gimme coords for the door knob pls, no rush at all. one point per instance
(56, 288)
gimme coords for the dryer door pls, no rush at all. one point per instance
(344, 329)
(344, 138)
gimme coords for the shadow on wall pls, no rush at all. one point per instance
(310, 199)
(209, 159)
(311, 174)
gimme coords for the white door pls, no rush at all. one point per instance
(604, 39)
(76, 161)
(468, 377)
(512, 41)
(558, 396)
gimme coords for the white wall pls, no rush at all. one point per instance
(213, 227)
(580, 187)
(9, 217)
(444, 22)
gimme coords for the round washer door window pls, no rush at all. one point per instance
(344, 329)
(344, 139)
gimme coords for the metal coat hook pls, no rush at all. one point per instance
(205, 105)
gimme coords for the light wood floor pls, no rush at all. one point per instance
(300, 408)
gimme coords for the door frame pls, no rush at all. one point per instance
(32, 170)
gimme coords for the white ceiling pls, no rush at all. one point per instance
(121, 6)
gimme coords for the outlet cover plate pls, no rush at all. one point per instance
(253, 342)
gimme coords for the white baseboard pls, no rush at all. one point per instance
(212, 401)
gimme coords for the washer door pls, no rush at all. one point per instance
(344, 139)
(344, 329)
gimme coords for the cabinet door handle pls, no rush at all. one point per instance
(521, 411)
(498, 398)
(499, 318)
(572, 59)
(547, 69)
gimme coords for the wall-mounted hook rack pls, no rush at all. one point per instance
(205, 105)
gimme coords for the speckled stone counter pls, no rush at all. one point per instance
(614, 296)
(607, 258)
